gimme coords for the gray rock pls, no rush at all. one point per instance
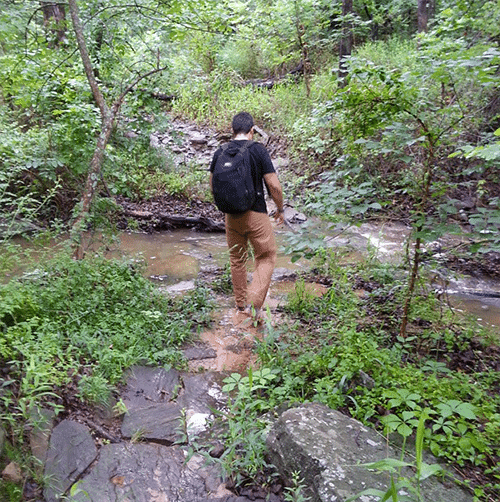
(12, 473)
(283, 274)
(148, 473)
(201, 393)
(325, 446)
(42, 420)
(164, 406)
(294, 216)
(196, 353)
(198, 138)
(180, 287)
(162, 422)
(146, 385)
(366, 380)
(71, 451)
(149, 397)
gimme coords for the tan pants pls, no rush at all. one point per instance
(255, 228)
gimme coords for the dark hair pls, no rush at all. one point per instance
(242, 123)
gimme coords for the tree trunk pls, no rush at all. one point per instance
(345, 47)
(87, 64)
(90, 187)
(107, 119)
(108, 116)
(417, 251)
(422, 15)
(305, 57)
(54, 20)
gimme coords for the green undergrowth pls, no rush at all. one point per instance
(71, 329)
(84, 323)
(343, 349)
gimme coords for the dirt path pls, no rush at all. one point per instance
(234, 341)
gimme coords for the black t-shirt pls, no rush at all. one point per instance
(260, 163)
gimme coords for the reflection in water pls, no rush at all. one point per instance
(180, 255)
(486, 311)
(166, 254)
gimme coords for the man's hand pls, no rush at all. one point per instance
(279, 217)
(274, 187)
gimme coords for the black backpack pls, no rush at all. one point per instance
(232, 182)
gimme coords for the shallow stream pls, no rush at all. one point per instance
(173, 257)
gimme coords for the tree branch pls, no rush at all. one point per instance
(87, 64)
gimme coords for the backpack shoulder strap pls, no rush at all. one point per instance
(246, 146)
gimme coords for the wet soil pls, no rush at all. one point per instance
(482, 265)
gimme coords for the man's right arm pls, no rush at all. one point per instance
(276, 192)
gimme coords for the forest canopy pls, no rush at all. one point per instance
(366, 94)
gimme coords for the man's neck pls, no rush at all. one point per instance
(242, 136)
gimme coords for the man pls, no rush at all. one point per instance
(253, 226)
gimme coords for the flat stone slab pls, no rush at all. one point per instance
(325, 446)
(161, 422)
(146, 385)
(201, 393)
(39, 436)
(200, 352)
(167, 406)
(148, 473)
(71, 451)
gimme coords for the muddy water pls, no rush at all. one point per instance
(179, 256)
(172, 257)
(479, 298)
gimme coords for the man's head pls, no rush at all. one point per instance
(242, 123)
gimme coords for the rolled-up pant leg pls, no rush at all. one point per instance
(255, 228)
(237, 243)
(261, 236)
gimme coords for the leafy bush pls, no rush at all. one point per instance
(95, 315)
(338, 350)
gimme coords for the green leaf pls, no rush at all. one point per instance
(405, 430)
(428, 470)
(466, 410)
(386, 465)
(419, 442)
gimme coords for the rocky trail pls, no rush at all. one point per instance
(142, 455)
(164, 447)
(156, 448)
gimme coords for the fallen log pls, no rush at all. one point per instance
(140, 215)
(162, 96)
(199, 222)
(165, 221)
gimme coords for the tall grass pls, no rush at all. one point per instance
(215, 99)
(394, 53)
